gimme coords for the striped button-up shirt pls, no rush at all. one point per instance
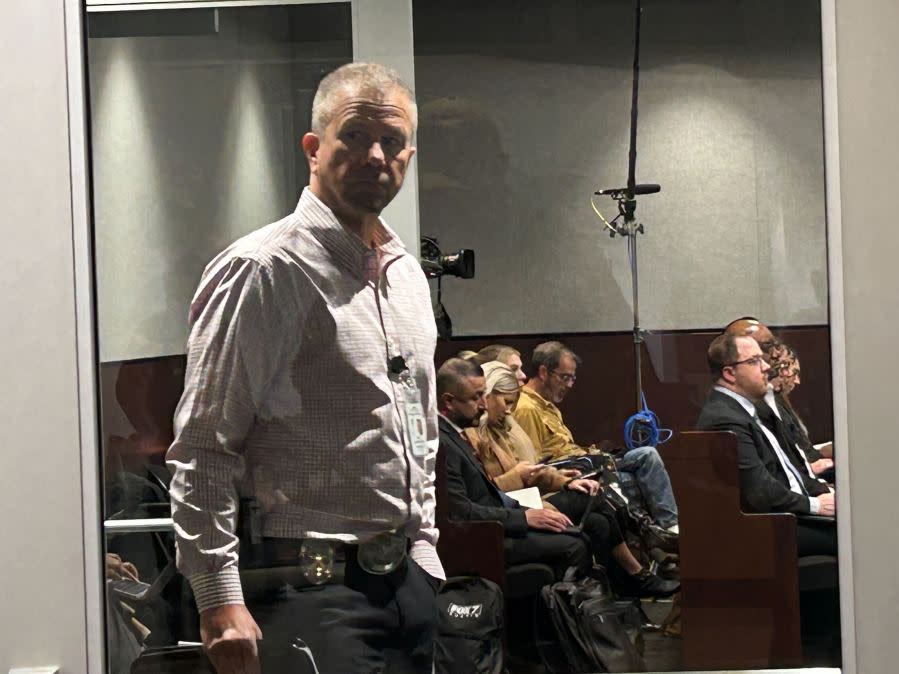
(289, 399)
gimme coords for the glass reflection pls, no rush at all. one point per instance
(523, 115)
(731, 126)
(195, 120)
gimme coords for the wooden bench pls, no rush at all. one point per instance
(475, 548)
(740, 575)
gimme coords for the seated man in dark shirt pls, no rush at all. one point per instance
(531, 535)
(771, 477)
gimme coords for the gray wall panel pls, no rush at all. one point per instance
(516, 138)
(42, 556)
(867, 52)
(196, 142)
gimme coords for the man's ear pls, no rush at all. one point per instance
(728, 376)
(445, 398)
(311, 143)
(542, 372)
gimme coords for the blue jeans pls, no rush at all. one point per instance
(644, 480)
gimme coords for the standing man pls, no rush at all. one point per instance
(769, 478)
(309, 414)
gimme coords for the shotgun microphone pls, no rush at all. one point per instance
(649, 188)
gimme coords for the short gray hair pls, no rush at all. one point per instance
(357, 78)
(453, 371)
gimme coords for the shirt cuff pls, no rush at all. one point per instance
(218, 588)
(814, 505)
(425, 555)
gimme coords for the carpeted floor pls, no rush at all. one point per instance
(662, 653)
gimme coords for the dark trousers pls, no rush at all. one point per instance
(559, 551)
(816, 537)
(600, 525)
(359, 623)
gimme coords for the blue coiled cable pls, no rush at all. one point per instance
(642, 429)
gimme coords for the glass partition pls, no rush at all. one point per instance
(526, 113)
(196, 115)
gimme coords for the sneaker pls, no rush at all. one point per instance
(656, 537)
(646, 585)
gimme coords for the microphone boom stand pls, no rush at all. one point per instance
(627, 207)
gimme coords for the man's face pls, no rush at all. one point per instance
(358, 163)
(748, 374)
(464, 407)
(558, 382)
(517, 367)
(774, 352)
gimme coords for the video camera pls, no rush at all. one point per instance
(435, 263)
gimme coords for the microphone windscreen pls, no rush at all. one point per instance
(648, 188)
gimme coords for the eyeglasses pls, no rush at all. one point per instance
(752, 362)
(567, 378)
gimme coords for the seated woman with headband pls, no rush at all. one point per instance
(510, 459)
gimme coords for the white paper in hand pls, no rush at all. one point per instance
(529, 498)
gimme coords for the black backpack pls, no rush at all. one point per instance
(580, 628)
(469, 637)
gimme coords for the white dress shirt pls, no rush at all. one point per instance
(288, 397)
(786, 466)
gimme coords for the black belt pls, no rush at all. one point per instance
(286, 551)
(378, 556)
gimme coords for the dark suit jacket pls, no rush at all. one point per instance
(472, 495)
(764, 487)
(794, 428)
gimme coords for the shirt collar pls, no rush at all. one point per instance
(341, 242)
(771, 400)
(745, 402)
(537, 398)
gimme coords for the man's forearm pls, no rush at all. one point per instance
(204, 510)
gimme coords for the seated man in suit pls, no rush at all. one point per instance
(642, 472)
(531, 535)
(783, 377)
(770, 478)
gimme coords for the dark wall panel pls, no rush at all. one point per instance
(138, 398)
(675, 378)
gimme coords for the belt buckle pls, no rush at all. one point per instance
(316, 560)
(382, 554)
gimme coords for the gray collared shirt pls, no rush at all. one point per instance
(288, 397)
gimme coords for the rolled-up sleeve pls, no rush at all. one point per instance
(232, 354)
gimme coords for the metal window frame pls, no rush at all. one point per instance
(143, 5)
